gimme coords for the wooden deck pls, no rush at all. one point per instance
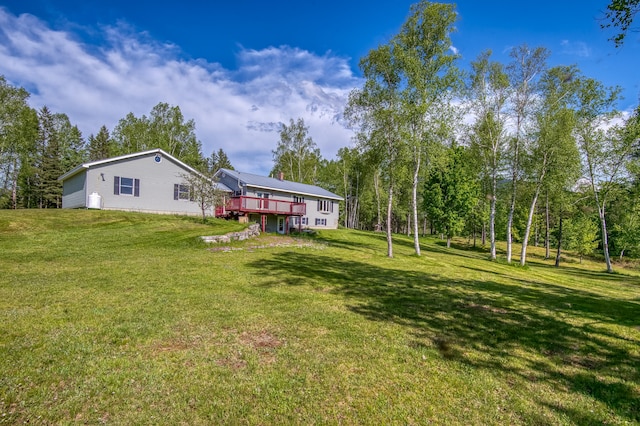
(262, 206)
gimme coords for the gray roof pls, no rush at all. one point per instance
(264, 182)
(86, 166)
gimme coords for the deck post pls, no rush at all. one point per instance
(286, 225)
(263, 221)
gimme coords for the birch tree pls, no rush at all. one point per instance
(604, 149)
(525, 66)
(374, 110)
(423, 49)
(487, 93)
(296, 155)
(552, 158)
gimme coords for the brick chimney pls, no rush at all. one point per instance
(280, 176)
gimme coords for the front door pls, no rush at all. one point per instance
(281, 229)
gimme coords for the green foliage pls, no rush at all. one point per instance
(297, 155)
(450, 193)
(581, 235)
(203, 191)
(100, 146)
(605, 149)
(626, 233)
(487, 92)
(165, 128)
(18, 135)
(620, 14)
(218, 160)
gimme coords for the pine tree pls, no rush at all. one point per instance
(49, 164)
(100, 145)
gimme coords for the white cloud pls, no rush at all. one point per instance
(575, 48)
(236, 110)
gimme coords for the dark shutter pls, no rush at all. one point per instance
(116, 185)
(176, 189)
(136, 187)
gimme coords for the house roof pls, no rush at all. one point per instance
(86, 166)
(264, 182)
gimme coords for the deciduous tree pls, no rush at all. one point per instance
(620, 14)
(604, 149)
(552, 157)
(296, 155)
(488, 91)
(451, 193)
(523, 70)
(375, 111)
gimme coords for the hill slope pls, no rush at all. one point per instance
(129, 318)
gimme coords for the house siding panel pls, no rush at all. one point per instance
(152, 192)
(155, 187)
(74, 193)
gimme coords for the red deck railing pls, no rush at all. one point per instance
(265, 206)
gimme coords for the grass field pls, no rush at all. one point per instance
(123, 318)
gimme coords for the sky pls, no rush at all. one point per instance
(242, 68)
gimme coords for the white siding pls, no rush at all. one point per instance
(74, 194)
(156, 185)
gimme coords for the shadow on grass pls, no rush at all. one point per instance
(491, 325)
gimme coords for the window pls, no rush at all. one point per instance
(182, 192)
(297, 199)
(325, 206)
(296, 220)
(126, 186)
(321, 222)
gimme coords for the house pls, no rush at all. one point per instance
(150, 181)
(277, 204)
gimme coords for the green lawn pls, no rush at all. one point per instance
(124, 318)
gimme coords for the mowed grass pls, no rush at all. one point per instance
(124, 318)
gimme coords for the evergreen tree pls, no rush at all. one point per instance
(49, 164)
(217, 161)
(100, 145)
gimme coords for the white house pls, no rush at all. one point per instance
(153, 181)
(277, 204)
(150, 181)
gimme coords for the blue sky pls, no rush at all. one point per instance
(240, 68)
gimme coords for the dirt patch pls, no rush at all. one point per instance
(234, 362)
(261, 340)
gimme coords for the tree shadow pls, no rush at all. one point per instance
(490, 325)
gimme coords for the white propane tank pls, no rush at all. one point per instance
(95, 201)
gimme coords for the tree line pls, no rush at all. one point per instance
(38, 146)
(517, 151)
